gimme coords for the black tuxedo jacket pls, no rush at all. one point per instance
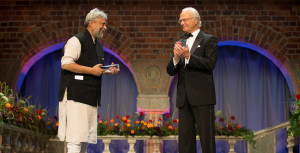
(195, 80)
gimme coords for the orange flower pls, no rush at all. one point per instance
(38, 117)
(132, 131)
(142, 127)
(7, 105)
(137, 122)
(124, 118)
(49, 122)
(112, 120)
(128, 120)
(100, 121)
(116, 124)
(220, 127)
(25, 110)
(171, 127)
(57, 123)
(21, 119)
(239, 126)
(128, 124)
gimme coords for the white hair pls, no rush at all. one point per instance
(94, 13)
(194, 12)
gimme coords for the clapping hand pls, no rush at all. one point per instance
(181, 51)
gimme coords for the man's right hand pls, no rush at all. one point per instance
(96, 70)
(176, 52)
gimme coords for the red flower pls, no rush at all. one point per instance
(159, 119)
(150, 121)
(298, 96)
(232, 118)
(215, 117)
(55, 117)
(125, 121)
(98, 116)
(239, 126)
(142, 113)
(39, 111)
(117, 117)
(221, 119)
(127, 116)
(174, 121)
(168, 115)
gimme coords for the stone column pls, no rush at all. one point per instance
(153, 86)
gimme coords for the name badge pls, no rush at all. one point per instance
(78, 77)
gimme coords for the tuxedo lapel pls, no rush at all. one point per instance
(197, 41)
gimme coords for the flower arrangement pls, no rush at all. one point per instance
(294, 129)
(137, 126)
(18, 111)
(167, 125)
(230, 127)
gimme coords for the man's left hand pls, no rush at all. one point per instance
(183, 51)
(113, 70)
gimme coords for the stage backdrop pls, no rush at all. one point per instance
(250, 83)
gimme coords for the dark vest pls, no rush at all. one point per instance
(88, 90)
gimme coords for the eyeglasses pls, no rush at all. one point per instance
(184, 20)
(103, 23)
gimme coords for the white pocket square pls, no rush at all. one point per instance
(198, 46)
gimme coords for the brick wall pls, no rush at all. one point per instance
(146, 29)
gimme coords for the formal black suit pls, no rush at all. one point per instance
(196, 94)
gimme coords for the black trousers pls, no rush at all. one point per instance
(203, 117)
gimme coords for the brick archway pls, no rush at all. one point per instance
(40, 38)
(260, 35)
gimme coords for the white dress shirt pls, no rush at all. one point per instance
(72, 51)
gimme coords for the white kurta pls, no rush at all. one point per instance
(77, 121)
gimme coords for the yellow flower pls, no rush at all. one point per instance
(150, 125)
(142, 121)
(132, 131)
(157, 122)
(100, 121)
(128, 120)
(137, 122)
(128, 124)
(112, 120)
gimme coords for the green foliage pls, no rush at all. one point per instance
(294, 129)
(18, 111)
(225, 126)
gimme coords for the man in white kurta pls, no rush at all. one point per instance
(78, 120)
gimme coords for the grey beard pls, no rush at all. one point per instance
(98, 35)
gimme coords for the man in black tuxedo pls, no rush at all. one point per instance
(194, 59)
